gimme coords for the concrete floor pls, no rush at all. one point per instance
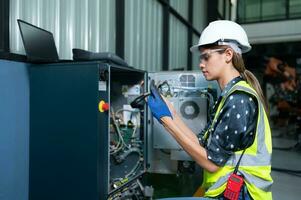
(286, 186)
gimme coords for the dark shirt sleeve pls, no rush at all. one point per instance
(234, 129)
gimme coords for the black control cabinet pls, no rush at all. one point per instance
(69, 134)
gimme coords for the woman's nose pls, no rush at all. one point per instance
(201, 65)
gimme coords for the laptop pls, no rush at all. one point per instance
(38, 43)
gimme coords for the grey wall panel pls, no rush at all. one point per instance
(86, 24)
(199, 14)
(67, 28)
(199, 22)
(181, 6)
(178, 49)
(178, 33)
(14, 130)
(143, 34)
(196, 55)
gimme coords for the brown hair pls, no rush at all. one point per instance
(249, 77)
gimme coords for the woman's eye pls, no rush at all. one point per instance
(205, 57)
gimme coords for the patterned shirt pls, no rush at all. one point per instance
(235, 127)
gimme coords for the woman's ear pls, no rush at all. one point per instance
(229, 55)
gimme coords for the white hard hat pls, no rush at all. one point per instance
(223, 32)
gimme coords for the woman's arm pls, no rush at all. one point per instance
(165, 113)
(189, 142)
(179, 122)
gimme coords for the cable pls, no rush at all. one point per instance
(135, 168)
(137, 119)
(121, 143)
(118, 133)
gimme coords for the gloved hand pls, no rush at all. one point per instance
(156, 104)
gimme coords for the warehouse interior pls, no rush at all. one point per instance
(74, 123)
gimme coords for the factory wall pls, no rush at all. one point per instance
(91, 25)
(86, 24)
(272, 32)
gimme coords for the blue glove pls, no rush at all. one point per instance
(156, 104)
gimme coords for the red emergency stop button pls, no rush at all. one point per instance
(103, 106)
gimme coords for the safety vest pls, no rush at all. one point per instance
(255, 165)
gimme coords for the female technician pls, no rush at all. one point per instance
(239, 127)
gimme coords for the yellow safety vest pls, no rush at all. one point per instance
(255, 164)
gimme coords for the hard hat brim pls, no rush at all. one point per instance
(194, 48)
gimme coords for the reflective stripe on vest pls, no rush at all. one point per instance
(256, 161)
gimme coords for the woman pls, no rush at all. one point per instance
(239, 127)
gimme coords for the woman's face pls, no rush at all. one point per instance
(212, 62)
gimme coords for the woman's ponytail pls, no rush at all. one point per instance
(249, 78)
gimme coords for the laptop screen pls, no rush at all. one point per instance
(38, 43)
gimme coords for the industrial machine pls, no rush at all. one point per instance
(87, 142)
(192, 96)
